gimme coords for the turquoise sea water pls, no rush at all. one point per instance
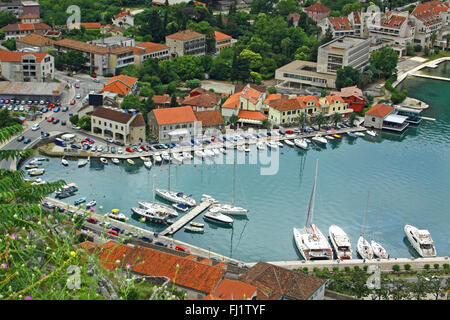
(407, 176)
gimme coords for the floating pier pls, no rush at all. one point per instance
(181, 222)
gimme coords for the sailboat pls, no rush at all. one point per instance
(363, 246)
(378, 249)
(311, 243)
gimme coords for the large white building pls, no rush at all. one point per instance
(26, 66)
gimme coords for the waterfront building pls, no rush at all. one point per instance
(118, 124)
(285, 111)
(26, 66)
(375, 116)
(122, 85)
(414, 115)
(229, 289)
(334, 104)
(430, 17)
(211, 119)
(300, 74)
(34, 41)
(202, 100)
(353, 97)
(223, 41)
(186, 42)
(277, 283)
(317, 12)
(172, 123)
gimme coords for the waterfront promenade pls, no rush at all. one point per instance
(429, 64)
(418, 74)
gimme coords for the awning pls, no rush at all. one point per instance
(179, 132)
(251, 121)
(395, 118)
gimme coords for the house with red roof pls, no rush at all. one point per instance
(430, 17)
(19, 30)
(122, 85)
(334, 104)
(317, 12)
(340, 26)
(375, 116)
(223, 41)
(186, 42)
(123, 19)
(172, 124)
(151, 50)
(26, 66)
(202, 100)
(353, 97)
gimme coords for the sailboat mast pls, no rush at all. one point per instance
(314, 192)
(365, 214)
(169, 177)
(153, 186)
(234, 181)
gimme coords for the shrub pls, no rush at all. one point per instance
(407, 267)
(436, 266)
(357, 268)
(417, 48)
(347, 269)
(365, 268)
(316, 270)
(305, 269)
(335, 269)
(426, 266)
(446, 266)
(325, 270)
(271, 90)
(396, 268)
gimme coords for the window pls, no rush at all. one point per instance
(373, 119)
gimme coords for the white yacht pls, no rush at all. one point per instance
(103, 160)
(301, 143)
(199, 154)
(214, 214)
(91, 203)
(341, 242)
(177, 157)
(319, 139)
(155, 206)
(82, 162)
(421, 240)
(151, 216)
(359, 134)
(165, 155)
(371, 133)
(209, 153)
(329, 137)
(157, 158)
(148, 164)
(115, 160)
(289, 143)
(35, 172)
(230, 209)
(177, 197)
(364, 248)
(64, 162)
(115, 214)
(272, 145)
(216, 151)
(311, 243)
(261, 145)
(187, 155)
(378, 250)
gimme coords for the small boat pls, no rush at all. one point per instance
(378, 250)
(115, 160)
(31, 166)
(82, 162)
(157, 158)
(197, 224)
(177, 157)
(289, 143)
(209, 153)
(38, 181)
(351, 134)
(80, 200)
(41, 159)
(301, 143)
(421, 241)
(279, 144)
(35, 161)
(364, 249)
(177, 197)
(240, 148)
(116, 215)
(371, 133)
(91, 203)
(148, 164)
(222, 150)
(194, 229)
(341, 242)
(63, 194)
(216, 151)
(130, 161)
(199, 154)
(103, 160)
(155, 216)
(64, 162)
(261, 145)
(35, 172)
(214, 215)
(230, 209)
(337, 136)
(246, 149)
(166, 156)
(319, 139)
(272, 145)
(329, 137)
(187, 155)
(145, 159)
(359, 134)
(307, 140)
(158, 207)
(180, 206)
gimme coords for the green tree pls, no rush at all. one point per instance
(6, 120)
(285, 7)
(319, 119)
(410, 50)
(271, 90)
(348, 76)
(335, 118)
(85, 123)
(192, 84)
(173, 100)
(385, 59)
(6, 18)
(74, 119)
(233, 120)
(266, 124)
(131, 101)
(10, 44)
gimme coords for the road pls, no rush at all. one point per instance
(86, 84)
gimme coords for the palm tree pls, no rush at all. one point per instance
(352, 118)
(301, 120)
(433, 38)
(320, 119)
(335, 118)
(266, 123)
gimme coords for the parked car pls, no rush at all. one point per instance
(181, 248)
(20, 138)
(77, 85)
(112, 232)
(113, 150)
(48, 205)
(93, 75)
(35, 127)
(56, 109)
(96, 80)
(72, 101)
(75, 146)
(50, 119)
(63, 123)
(109, 140)
(44, 134)
(76, 127)
(92, 220)
(129, 149)
(146, 239)
(55, 121)
(160, 243)
(65, 108)
(119, 150)
(117, 229)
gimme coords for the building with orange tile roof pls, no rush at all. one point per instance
(223, 41)
(202, 100)
(317, 12)
(186, 42)
(285, 111)
(229, 289)
(121, 85)
(127, 126)
(210, 119)
(375, 116)
(165, 123)
(277, 283)
(196, 279)
(153, 50)
(30, 18)
(34, 40)
(340, 26)
(26, 66)
(353, 97)
(19, 30)
(430, 17)
(334, 104)
(124, 19)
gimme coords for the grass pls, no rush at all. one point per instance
(441, 54)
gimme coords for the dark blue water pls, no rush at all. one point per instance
(407, 176)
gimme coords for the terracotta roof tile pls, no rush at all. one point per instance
(15, 56)
(348, 92)
(26, 27)
(161, 99)
(129, 81)
(252, 115)
(116, 87)
(138, 121)
(380, 110)
(232, 102)
(113, 115)
(220, 36)
(36, 40)
(340, 23)
(185, 35)
(81, 46)
(317, 7)
(209, 118)
(174, 115)
(393, 21)
(206, 100)
(91, 25)
(287, 104)
(29, 16)
(152, 46)
(233, 290)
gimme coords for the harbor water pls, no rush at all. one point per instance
(407, 177)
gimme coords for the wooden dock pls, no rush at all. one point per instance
(181, 222)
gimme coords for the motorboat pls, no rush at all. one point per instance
(209, 153)
(38, 181)
(216, 151)
(240, 148)
(151, 216)
(222, 150)
(63, 194)
(289, 143)
(364, 248)
(319, 139)
(329, 137)
(301, 143)
(35, 161)
(214, 215)
(41, 159)
(197, 224)
(199, 154)
(145, 159)
(165, 156)
(351, 134)
(130, 161)
(177, 197)
(64, 162)
(157, 158)
(371, 133)
(35, 171)
(180, 206)
(82, 162)
(103, 160)
(246, 149)
(194, 229)
(261, 145)
(359, 134)
(279, 144)
(340, 242)
(115, 160)
(156, 206)
(378, 250)
(337, 136)
(80, 201)
(187, 155)
(310, 241)
(230, 209)
(177, 158)
(116, 215)
(272, 145)
(148, 164)
(31, 166)
(91, 203)
(421, 241)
